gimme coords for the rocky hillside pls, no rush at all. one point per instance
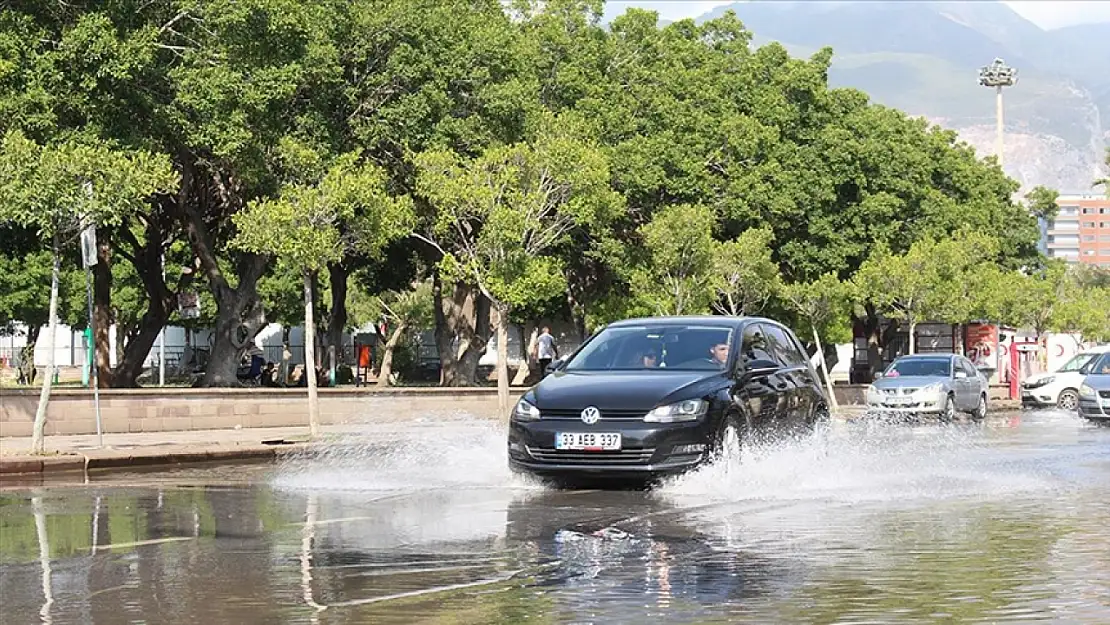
(923, 57)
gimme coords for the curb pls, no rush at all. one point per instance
(22, 466)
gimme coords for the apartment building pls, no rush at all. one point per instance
(1081, 230)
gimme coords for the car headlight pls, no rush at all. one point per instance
(688, 410)
(935, 387)
(525, 411)
(1086, 391)
(1040, 382)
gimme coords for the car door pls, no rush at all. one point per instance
(979, 384)
(760, 397)
(796, 373)
(966, 384)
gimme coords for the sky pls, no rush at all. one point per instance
(1047, 14)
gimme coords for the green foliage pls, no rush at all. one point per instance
(824, 305)
(310, 226)
(413, 308)
(677, 275)
(55, 189)
(1105, 182)
(500, 216)
(1042, 202)
(746, 277)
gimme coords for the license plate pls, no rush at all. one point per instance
(1105, 403)
(588, 441)
(899, 401)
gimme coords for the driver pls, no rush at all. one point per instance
(718, 354)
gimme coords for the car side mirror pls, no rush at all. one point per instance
(554, 366)
(760, 368)
(961, 375)
(878, 375)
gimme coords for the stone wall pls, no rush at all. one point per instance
(72, 411)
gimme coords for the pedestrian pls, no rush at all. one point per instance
(546, 351)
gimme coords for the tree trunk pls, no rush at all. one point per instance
(387, 354)
(525, 368)
(310, 355)
(337, 315)
(102, 307)
(462, 331)
(825, 369)
(503, 359)
(38, 444)
(913, 338)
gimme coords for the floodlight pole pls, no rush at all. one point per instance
(998, 75)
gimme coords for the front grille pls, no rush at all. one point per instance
(900, 391)
(606, 415)
(623, 457)
(1104, 394)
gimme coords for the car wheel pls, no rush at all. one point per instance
(949, 411)
(1069, 400)
(980, 410)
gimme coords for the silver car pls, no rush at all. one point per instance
(940, 384)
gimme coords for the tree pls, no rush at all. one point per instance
(899, 285)
(403, 311)
(310, 226)
(825, 305)
(500, 215)
(745, 275)
(1041, 202)
(61, 188)
(1105, 182)
(675, 277)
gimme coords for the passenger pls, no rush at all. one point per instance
(650, 359)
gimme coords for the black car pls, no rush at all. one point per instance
(644, 398)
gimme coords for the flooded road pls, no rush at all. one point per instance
(1002, 521)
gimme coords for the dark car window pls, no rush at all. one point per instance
(1102, 366)
(672, 347)
(930, 367)
(755, 345)
(784, 347)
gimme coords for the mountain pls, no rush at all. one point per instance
(924, 57)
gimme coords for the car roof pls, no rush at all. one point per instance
(928, 356)
(691, 320)
(1098, 349)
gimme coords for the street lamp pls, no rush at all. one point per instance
(998, 75)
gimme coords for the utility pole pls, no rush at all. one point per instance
(998, 75)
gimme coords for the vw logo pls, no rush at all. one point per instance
(591, 415)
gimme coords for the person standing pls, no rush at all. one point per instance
(546, 351)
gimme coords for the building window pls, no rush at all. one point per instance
(1088, 224)
(1088, 211)
(1088, 237)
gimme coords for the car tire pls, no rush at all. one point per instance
(948, 413)
(1068, 400)
(980, 411)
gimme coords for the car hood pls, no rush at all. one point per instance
(908, 381)
(622, 390)
(1099, 382)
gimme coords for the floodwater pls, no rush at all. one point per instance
(1004, 521)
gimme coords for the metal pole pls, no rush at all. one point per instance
(95, 369)
(162, 339)
(998, 116)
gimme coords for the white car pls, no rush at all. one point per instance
(1061, 387)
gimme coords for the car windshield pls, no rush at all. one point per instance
(676, 347)
(1075, 364)
(929, 367)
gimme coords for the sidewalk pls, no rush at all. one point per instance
(81, 453)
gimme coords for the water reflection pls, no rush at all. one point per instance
(900, 525)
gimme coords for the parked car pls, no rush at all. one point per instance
(921, 384)
(1061, 387)
(644, 398)
(1094, 392)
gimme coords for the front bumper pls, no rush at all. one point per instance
(932, 403)
(647, 449)
(1039, 396)
(1095, 408)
